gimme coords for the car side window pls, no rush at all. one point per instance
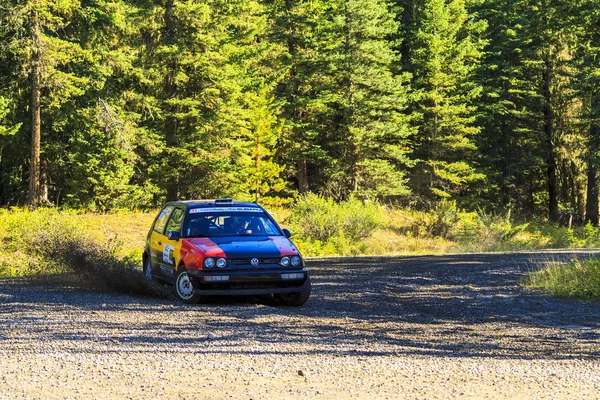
(175, 221)
(163, 217)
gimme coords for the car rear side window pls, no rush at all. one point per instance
(175, 221)
(163, 217)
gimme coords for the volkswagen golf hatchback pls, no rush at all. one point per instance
(224, 247)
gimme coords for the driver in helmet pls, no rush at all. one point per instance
(243, 225)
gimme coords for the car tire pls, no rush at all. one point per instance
(183, 287)
(148, 271)
(296, 299)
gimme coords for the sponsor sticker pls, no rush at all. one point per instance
(167, 271)
(168, 254)
(224, 209)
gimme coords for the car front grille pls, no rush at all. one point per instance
(262, 262)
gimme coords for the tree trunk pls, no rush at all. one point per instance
(405, 49)
(552, 187)
(530, 210)
(43, 193)
(170, 120)
(576, 193)
(591, 206)
(292, 94)
(302, 176)
(506, 165)
(33, 199)
(550, 155)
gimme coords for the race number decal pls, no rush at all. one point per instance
(168, 254)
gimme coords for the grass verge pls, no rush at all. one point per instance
(578, 279)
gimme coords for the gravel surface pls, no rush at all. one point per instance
(457, 326)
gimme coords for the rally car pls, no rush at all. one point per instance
(222, 247)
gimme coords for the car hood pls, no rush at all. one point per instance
(242, 247)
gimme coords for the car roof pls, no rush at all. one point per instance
(212, 203)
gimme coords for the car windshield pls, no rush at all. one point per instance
(213, 223)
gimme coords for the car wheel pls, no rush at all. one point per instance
(183, 288)
(295, 299)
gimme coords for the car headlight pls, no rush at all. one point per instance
(209, 262)
(221, 263)
(296, 261)
(285, 261)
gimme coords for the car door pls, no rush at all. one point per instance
(171, 249)
(157, 238)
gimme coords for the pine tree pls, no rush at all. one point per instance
(87, 160)
(510, 141)
(366, 131)
(586, 21)
(530, 140)
(445, 43)
(196, 60)
(260, 172)
(106, 150)
(7, 132)
(298, 29)
(547, 30)
(46, 54)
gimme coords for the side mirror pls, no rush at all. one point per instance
(174, 235)
(286, 232)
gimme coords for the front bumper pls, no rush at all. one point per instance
(246, 282)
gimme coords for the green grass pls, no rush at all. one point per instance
(578, 279)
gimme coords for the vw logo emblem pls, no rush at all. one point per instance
(254, 262)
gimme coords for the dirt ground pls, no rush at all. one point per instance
(456, 326)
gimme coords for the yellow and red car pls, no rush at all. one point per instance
(222, 247)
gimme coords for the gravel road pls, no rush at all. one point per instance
(456, 326)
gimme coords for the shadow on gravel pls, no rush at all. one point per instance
(445, 306)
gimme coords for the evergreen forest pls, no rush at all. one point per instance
(493, 104)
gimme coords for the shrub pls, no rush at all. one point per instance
(322, 219)
(328, 228)
(495, 231)
(442, 218)
(316, 217)
(359, 219)
(439, 222)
